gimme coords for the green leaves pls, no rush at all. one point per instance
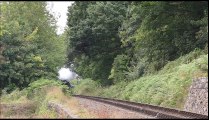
(164, 32)
(119, 68)
(29, 45)
(93, 32)
(148, 34)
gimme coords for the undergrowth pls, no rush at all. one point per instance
(39, 93)
(168, 87)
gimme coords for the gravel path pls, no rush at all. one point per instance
(102, 110)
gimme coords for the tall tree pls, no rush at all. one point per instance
(94, 36)
(28, 36)
(125, 40)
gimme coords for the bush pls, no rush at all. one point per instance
(35, 87)
(171, 66)
(119, 68)
(87, 87)
(202, 63)
(14, 96)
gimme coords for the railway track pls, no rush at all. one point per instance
(151, 110)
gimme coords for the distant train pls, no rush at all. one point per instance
(67, 82)
(66, 75)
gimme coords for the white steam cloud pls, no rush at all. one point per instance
(66, 74)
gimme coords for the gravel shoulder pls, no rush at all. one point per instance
(102, 110)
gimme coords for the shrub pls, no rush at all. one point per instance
(119, 68)
(87, 87)
(202, 63)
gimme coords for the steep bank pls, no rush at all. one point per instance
(169, 87)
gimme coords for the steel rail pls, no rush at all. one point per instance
(151, 110)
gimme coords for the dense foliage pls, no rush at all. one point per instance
(93, 37)
(119, 41)
(29, 45)
(107, 41)
(148, 51)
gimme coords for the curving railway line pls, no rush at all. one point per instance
(150, 110)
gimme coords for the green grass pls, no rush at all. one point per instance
(168, 87)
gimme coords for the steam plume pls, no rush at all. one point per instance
(66, 74)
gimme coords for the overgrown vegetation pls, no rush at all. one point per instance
(29, 46)
(114, 41)
(146, 51)
(39, 93)
(159, 47)
(168, 87)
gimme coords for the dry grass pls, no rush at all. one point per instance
(40, 99)
(200, 73)
(55, 94)
(17, 110)
(74, 106)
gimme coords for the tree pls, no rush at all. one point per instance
(154, 33)
(30, 44)
(125, 40)
(93, 35)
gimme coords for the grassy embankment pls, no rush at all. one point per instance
(168, 87)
